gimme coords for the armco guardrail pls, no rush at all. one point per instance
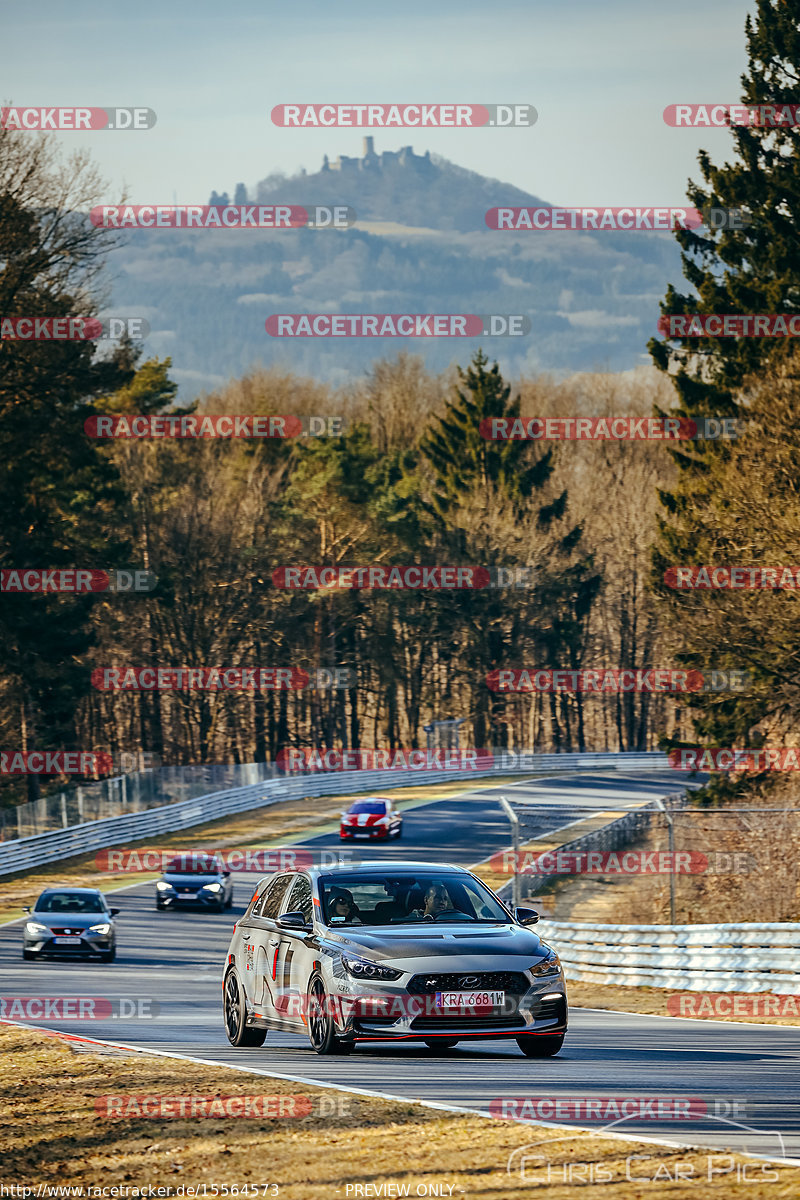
(22, 854)
(720, 958)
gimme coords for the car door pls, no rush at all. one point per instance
(261, 944)
(294, 955)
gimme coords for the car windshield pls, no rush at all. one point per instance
(413, 899)
(368, 806)
(192, 864)
(69, 902)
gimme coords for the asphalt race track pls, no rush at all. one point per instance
(169, 969)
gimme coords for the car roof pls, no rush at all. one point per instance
(385, 867)
(368, 799)
(201, 857)
(67, 887)
(407, 866)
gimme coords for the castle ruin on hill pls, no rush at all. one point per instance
(370, 161)
(346, 165)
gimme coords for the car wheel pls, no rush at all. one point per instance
(28, 955)
(321, 1029)
(441, 1043)
(234, 1014)
(160, 906)
(540, 1047)
(229, 901)
(108, 955)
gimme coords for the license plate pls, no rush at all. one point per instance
(469, 999)
(67, 941)
(363, 835)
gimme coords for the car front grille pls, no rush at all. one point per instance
(453, 981)
(66, 930)
(463, 1020)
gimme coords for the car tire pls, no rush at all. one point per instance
(321, 1029)
(233, 1011)
(108, 955)
(30, 955)
(533, 1046)
(229, 901)
(160, 906)
(441, 1043)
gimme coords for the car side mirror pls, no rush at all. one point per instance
(27, 908)
(293, 920)
(526, 916)
(114, 911)
(226, 873)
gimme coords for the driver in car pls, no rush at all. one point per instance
(437, 900)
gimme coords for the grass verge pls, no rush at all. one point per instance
(654, 1001)
(343, 1143)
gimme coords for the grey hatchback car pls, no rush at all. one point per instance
(400, 951)
(70, 921)
(195, 880)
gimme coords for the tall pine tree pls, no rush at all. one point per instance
(750, 270)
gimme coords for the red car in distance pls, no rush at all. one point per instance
(371, 818)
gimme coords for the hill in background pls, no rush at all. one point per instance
(420, 244)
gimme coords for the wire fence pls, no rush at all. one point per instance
(684, 858)
(136, 792)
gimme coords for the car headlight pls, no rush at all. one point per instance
(549, 965)
(104, 928)
(34, 928)
(360, 968)
(163, 887)
(212, 887)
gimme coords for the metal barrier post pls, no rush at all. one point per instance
(514, 820)
(671, 834)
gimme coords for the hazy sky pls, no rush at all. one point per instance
(600, 75)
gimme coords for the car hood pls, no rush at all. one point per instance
(70, 920)
(449, 941)
(194, 880)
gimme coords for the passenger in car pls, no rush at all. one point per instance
(342, 906)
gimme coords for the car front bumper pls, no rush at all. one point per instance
(190, 899)
(380, 1013)
(90, 943)
(379, 832)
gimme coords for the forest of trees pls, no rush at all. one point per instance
(410, 481)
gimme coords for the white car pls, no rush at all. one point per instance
(390, 952)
